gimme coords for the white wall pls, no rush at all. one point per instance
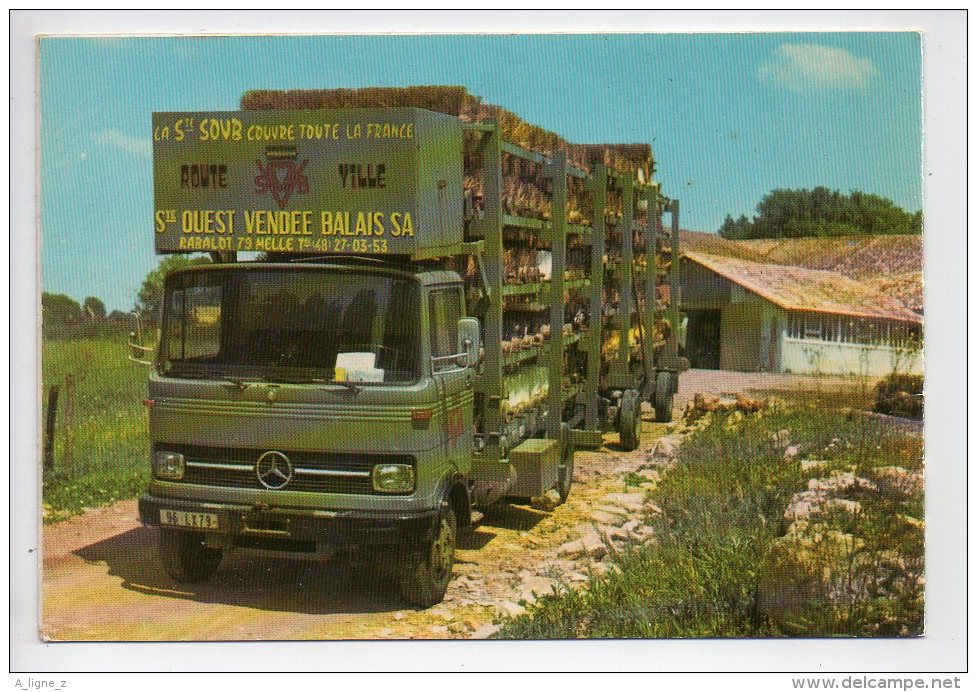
(813, 356)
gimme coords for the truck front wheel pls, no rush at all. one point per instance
(426, 569)
(185, 557)
(629, 421)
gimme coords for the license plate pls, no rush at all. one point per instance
(188, 520)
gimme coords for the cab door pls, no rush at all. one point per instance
(454, 381)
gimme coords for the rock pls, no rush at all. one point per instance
(791, 452)
(575, 577)
(511, 609)
(589, 545)
(807, 570)
(811, 464)
(633, 502)
(840, 481)
(631, 526)
(643, 534)
(607, 518)
(438, 629)
(804, 504)
(781, 438)
(547, 502)
(897, 479)
(666, 448)
(536, 584)
(385, 633)
(850, 506)
(442, 613)
(615, 511)
(399, 615)
(485, 631)
(652, 508)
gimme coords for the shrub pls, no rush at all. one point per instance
(900, 395)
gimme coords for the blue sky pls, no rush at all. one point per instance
(730, 116)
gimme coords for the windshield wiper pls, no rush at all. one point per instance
(241, 383)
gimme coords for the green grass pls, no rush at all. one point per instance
(723, 513)
(108, 434)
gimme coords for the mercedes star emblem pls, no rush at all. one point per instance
(274, 470)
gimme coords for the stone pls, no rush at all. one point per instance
(589, 545)
(813, 464)
(652, 508)
(803, 504)
(630, 527)
(438, 629)
(607, 518)
(807, 570)
(442, 613)
(666, 448)
(897, 479)
(547, 502)
(511, 609)
(399, 615)
(792, 452)
(485, 631)
(633, 502)
(781, 438)
(536, 584)
(840, 481)
(850, 506)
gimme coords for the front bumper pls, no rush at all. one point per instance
(360, 527)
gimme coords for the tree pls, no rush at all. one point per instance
(151, 293)
(57, 308)
(784, 213)
(93, 308)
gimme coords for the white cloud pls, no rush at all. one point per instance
(805, 67)
(139, 146)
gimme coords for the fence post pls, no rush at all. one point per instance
(69, 416)
(52, 413)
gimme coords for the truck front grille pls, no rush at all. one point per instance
(234, 468)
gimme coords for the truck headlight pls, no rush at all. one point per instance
(393, 478)
(169, 465)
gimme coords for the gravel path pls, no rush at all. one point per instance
(102, 581)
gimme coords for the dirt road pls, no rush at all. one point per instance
(102, 580)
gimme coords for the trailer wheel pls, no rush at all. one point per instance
(426, 570)
(664, 397)
(565, 478)
(629, 420)
(185, 557)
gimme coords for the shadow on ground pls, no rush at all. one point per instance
(274, 581)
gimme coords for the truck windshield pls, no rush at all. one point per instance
(290, 325)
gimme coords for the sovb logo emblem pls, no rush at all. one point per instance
(281, 175)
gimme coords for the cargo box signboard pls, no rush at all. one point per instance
(384, 181)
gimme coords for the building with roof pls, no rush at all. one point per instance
(751, 315)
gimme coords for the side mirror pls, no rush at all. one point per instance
(469, 341)
(138, 353)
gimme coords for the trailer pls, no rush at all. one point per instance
(437, 317)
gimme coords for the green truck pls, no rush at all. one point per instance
(389, 337)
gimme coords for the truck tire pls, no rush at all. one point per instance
(426, 570)
(565, 478)
(629, 420)
(664, 397)
(185, 557)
